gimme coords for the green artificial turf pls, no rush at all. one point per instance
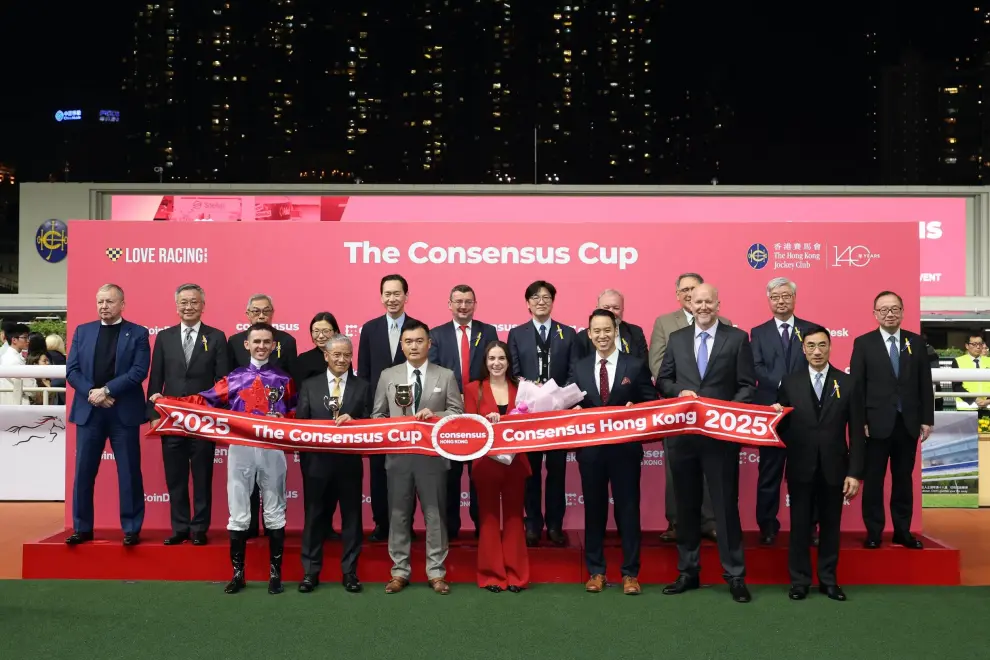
(184, 620)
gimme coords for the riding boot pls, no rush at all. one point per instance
(276, 545)
(238, 546)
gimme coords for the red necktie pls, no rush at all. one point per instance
(603, 382)
(465, 358)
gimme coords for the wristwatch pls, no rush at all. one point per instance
(106, 391)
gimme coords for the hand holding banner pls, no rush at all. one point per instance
(468, 437)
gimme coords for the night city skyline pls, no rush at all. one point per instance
(600, 92)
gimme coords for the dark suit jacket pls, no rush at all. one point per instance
(816, 431)
(632, 385)
(730, 374)
(283, 355)
(309, 364)
(880, 390)
(373, 353)
(446, 338)
(632, 338)
(769, 359)
(170, 375)
(526, 362)
(126, 387)
(310, 406)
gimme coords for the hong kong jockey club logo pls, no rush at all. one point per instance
(114, 253)
(757, 256)
(52, 241)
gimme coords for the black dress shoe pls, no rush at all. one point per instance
(308, 584)
(832, 591)
(132, 539)
(379, 535)
(177, 539)
(797, 592)
(767, 539)
(532, 539)
(711, 535)
(494, 588)
(79, 537)
(333, 535)
(669, 535)
(199, 538)
(351, 583)
(908, 541)
(557, 537)
(514, 589)
(740, 593)
(872, 543)
(682, 584)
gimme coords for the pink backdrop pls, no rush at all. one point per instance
(307, 268)
(941, 221)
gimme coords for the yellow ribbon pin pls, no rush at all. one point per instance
(907, 345)
(206, 347)
(838, 395)
(560, 333)
(278, 349)
(625, 344)
(797, 333)
(477, 339)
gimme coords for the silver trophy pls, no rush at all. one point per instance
(332, 404)
(275, 395)
(403, 397)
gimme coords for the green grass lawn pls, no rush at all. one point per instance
(184, 620)
(950, 501)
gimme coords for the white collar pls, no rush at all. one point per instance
(688, 315)
(412, 376)
(195, 328)
(457, 326)
(258, 364)
(331, 377)
(612, 358)
(399, 321)
(886, 336)
(789, 322)
(823, 372)
(117, 322)
(545, 324)
(710, 331)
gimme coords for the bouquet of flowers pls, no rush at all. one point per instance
(531, 398)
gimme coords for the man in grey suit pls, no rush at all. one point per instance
(662, 329)
(712, 360)
(435, 394)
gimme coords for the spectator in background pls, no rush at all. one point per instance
(17, 343)
(56, 355)
(38, 398)
(5, 328)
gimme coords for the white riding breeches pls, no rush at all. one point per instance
(247, 466)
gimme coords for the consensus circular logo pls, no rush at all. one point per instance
(463, 437)
(757, 256)
(52, 240)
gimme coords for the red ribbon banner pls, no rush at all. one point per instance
(467, 437)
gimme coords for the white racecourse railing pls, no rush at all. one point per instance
(15, 374)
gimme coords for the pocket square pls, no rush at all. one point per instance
(437, 390)
(625, 381)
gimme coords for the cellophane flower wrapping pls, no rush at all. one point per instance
(532, 398)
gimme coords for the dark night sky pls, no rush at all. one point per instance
(791, 74)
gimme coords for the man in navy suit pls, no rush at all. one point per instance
(630, 338)
(611, 378)
(543, 349)
(107, 364)
(777, 352)
(460, 347)
(379, 349)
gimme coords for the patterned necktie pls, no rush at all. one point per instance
(418, 390)
(819, 384)
(465, 357)
(393, 336)
(603, 381)
(895, 361)
(703, 354)
(187, 345)
(336, 388)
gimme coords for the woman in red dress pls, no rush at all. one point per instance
(503, 561)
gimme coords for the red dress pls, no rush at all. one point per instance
(503, 559)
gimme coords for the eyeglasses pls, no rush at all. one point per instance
(540, 299)
(687, 289)
(188, 304)
(975, 343)
(462, 303)
(781, 297)
(320, 332)
(884, 311)
(267, 311)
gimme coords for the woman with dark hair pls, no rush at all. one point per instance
(503, 561)
(37, 344)
(312, 363)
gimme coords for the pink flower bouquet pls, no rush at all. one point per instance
(532, 398)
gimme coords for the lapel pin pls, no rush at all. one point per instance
(838, 395)
(907, 345)
(206, 347)
(625, 344)
(477, 339)
(797, 333)
(560, 333)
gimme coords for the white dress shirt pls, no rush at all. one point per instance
(411, 380)
(689, 316)
(710, 340)
(394, 329)
(343, 383)
(13, 358)
(611, 362)
(195, 329)
(790, 326)
(545, 324)
(814, 374)
(458, 334)
(886, 339)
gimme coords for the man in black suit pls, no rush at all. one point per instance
(713, 360)
(897, 408)
(331, 477)
(261, 309)
(822, 470)
(460, 347)
(611, 378)
(630, 340)
(189, 358)
(777, 351)
(379, 349)
(543, 349)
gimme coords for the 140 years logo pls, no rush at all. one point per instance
(857, 256)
